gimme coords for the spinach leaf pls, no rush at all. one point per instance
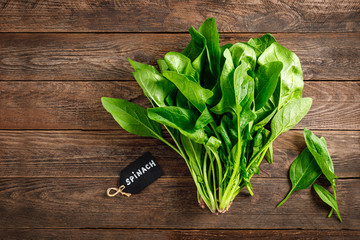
(303, 172)
(243, 86)
(261, 43)
(209, 31)
(328, 198)
(291, 75)
(162, 65)
(178, 118)
(181, 64)
(196, 94)
(318, 149)
(227, 101)
(266, 81)
(241, 52)
(154, 85)
(132, 117)
(289, 116)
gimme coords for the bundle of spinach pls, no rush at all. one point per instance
(222, 106)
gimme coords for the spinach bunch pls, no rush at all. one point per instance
(222, 106)
(313, 161)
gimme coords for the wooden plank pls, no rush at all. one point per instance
(324, 56)
(76, 105)
(106, 153)
(175, 16)
(168, 203)
(140, 234)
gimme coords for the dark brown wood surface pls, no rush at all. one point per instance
(60, 150)
(325, 56)
(178, 16)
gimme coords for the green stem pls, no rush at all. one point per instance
(172, 146)
(175, 141)
(226, 198)
(208, 188)
(253, 159)
(218, 162)
(287, 196)
(332, 210)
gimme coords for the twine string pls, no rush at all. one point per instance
(117, 191)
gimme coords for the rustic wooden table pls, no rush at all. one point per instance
(60, 150)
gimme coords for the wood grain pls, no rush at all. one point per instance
(140, 234)
(76, 105)
(170, 203)
(106, 153)
(324, 56)
(175, 16)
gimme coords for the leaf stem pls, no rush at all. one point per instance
(332, 210)
(287, 196)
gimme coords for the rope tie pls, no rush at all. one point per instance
(117, 190)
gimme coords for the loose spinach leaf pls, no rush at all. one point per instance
(319, 150)
(303, 172)
(328, 198)
(132, 117)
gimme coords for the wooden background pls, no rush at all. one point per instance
(60, 150)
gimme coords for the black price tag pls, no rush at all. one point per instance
(137, 176)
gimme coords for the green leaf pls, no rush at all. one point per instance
(196, 49)
(204, 119)
(269, 152)
(243, 86)
(132, 117)
(162, 65)
(243, 52)
(178, 118)
(193, 151)
(291, 75)
(288, 116)
(303, 172)
(327, 198)
(138, 66)
(223, 131)
(227, 101)
(209, 31)
(269, 155)
(181, 64)
(318, 149)
(266, 81)
(213, 143)
(155, 86)
(262, 43)
(196, 94)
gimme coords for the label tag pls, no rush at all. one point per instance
(137, 176)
